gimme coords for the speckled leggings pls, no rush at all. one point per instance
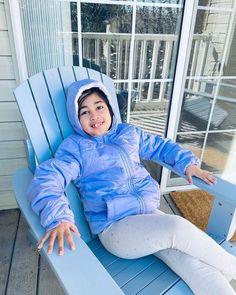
(193, 255)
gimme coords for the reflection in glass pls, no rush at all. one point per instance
(151, 105)
(163, 1)
(155, 42)
(229, 68)
(219, 3)
(197, 105)
(192, 142)
(220, 153)
(224, 112)
(223, 117)
(208, 43)
(43, 24)
(106, 35)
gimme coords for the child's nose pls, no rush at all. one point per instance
(94, 115)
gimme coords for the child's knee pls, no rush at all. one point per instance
(179, 224)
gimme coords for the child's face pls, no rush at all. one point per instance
(94, 115)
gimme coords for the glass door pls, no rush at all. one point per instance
(134, 42)
(206, 107)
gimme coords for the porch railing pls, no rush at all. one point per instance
(153, 60)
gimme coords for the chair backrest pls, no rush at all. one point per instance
(42, 103)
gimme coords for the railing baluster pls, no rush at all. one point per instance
(153, 69)
(165, 69)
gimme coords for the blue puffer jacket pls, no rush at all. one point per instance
(106, 169)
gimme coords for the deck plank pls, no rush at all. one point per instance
(19, 264)
(24, 268)
(48, 283)
(8, 229)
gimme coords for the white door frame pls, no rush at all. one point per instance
(189, 16)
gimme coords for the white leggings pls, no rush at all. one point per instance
(205, 266)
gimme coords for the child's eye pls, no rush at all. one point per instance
(100, 107)
(83, 113)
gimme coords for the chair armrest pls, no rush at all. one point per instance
(222, 189)
(79, 271)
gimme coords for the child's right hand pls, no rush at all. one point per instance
(58, 233)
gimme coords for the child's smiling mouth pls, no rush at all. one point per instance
(97, 124)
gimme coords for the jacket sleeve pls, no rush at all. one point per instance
(155, 148)
(47, 189)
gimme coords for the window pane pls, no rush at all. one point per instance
(216, 3)
(220, 153)
(197, 104)
(155, 42)
(229, 68)
(106, 37)
(163, 1)
(193, 142)
(208, 43)
(225, 107)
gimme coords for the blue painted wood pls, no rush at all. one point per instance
(225, 227)
(224, 193)
(79, 271)
(143, 279)
(95, 75)
(229, 247)
(161, 284)
(58, 97)
(120, 265)
(30, 114)
(46, 110)
(146, 275)
(80, 73)
(30, 155)
(67, 76)
(180, 288)
(77, 208)
(105, 257)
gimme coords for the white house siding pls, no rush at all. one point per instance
(12, 152)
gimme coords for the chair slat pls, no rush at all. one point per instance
(95, 75)
(67, 76)
(81, 73)
(30, 114)
(161, 284)
(46, 110)
(105, 257)
(179, 288)
(143, 279)
(135, 269)
(54, 84)
(77, 208)
(130, 265)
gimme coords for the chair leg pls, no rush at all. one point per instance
(225, 226)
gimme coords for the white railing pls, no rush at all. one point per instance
(153, 60)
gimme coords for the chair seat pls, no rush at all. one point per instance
(147, 275)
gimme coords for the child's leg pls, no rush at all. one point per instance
(200, 277)
(141, 235)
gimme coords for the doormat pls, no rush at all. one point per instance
(195, 205)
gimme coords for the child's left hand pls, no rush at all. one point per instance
(205, 175)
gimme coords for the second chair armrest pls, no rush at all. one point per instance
(222, 189)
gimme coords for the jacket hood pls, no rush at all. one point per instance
(74, 92)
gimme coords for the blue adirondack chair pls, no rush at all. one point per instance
(91, 269)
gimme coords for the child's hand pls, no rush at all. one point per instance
(58, 233)
(205, 175)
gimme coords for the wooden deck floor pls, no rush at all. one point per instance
(23, 271)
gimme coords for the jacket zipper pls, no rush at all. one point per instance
(130, 173)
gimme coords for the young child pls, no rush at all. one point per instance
(120, 198)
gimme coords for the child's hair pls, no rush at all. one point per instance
(100, 93)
